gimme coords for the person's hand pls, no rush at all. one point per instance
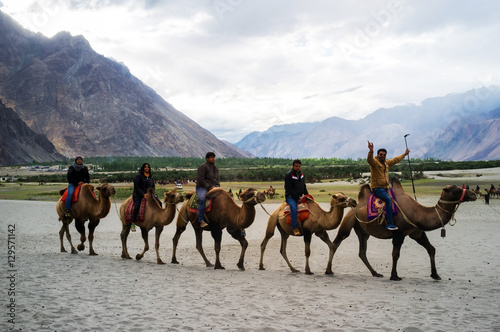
(407, 152)
(370, 146)
(146, 196)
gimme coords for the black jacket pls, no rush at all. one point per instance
(75, 176)
(141, 184)
(208, 176)
(295, 185)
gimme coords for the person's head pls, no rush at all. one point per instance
(78, 160)
(210, 157)
(145, 168)
(297, 165)
(381, 154)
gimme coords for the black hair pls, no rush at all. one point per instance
(142, 168)
(297, 161)
(383, 150)
(209, 154)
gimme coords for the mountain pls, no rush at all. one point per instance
(19, 143)
(458, 126)
(85, 103)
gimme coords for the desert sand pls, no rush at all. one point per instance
(54, 291)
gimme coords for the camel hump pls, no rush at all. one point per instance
(364, 192)
(396, 186)
(215, 192)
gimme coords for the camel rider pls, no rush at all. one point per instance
(208, 178)
(77, 174)
(143, 180)
(295, 187)
(379, 169)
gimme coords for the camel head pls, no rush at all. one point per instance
(343, 201)
(452, 193)
(173, 197)
(252, 195)
(106, 190)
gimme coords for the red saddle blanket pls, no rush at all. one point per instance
(302, 211)
(193, 204)
(130, 209)
(374, 205)
(74, 198)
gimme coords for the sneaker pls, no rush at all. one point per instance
(203, 224)
(132, 228)
(392, 227)
(67, 214)
(296, 232)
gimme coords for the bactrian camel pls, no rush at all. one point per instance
(412, 219)
(154, 216)
(224, 213)
(318, 222)
(88, 207)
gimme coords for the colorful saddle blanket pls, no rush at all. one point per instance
(302, 211)
(375, 206)
(74, 198)
(193, 204)
(129, 210)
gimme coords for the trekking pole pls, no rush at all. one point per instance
(411, 173)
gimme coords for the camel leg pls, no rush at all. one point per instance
(217, 235)
(144, 233)
(123, 236)
(424, 242)
(397, 242)
(284, 238)
(158, 231)
(344, 231)
(307, 242)
(323, 235)
(180, 229)
(80, 227)
(271, 226)
(363, 245)
(238, 234)
(199, 245)
(92, 225)
(65, 229)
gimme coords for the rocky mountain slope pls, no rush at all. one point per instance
(85, 103)
(458, 126)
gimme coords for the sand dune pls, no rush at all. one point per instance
(63, 292)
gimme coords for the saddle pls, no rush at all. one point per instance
(302, 211)
(375, 206)
(129, 210)
(74, 198)
(193, 204)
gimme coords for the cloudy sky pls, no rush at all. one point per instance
(237, 66)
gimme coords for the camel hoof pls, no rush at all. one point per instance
(126, 257)
(159, 261)
(63, 250)
(93, 253)
(73, 251)
(261, 268)
(241, 267)
(220, 267)
(295, 271)
(174, 261)
(209, 265)
(139, 257)
(80, 247)
(309, 273)
(328, 272)
(435, 277)
(378, 275)
(396, 278)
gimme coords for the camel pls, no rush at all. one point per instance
(88, 207)
(413, 220)
(270, 193)
(224, 213)
(155, 216)
(318, 223)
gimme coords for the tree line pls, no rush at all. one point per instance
(171, 169)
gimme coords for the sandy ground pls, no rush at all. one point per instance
(46, 290)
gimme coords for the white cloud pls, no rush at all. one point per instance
(235, 66)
